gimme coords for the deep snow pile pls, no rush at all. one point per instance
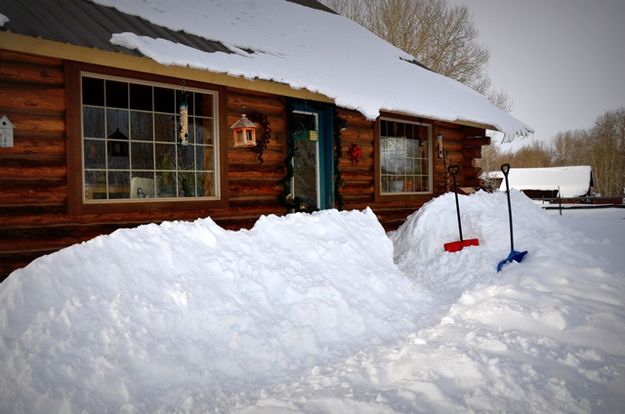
(309, 313)
(547, 335)
(155, 317)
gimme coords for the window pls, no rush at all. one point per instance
(405, 157)
(131, 150)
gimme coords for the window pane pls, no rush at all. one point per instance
(117, 154)
(142, 156)
(142, 185)
(116, 94)
(117, 124)
(186, 97)
(141, 126)
(186, 157)
(205, 184)
(203, 131)
(166, 184)
(141, 97)
(92, 91)
(165, 156)
(203, 104)
(164, 100)
(164, 128)
(186, 184)
(95, 185)
(119, 184)
(95, 154)
(204, 156)
(93, 122)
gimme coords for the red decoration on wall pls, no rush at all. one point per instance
(355, 153)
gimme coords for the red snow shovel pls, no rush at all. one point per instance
(455, 246)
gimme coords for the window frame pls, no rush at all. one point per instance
(381, 196)
(77, 203)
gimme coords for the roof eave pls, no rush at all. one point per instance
(27, 44)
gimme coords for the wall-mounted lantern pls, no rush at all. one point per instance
(244, 132)
(6, 132)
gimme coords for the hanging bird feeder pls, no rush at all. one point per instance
(244, 132)
(183, 112)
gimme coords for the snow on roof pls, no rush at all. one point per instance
(280, 41)
(572, 181)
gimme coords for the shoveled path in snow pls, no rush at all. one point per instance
(546, 335)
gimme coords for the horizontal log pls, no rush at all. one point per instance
(238, 104)
(8, 56)
(471, 153)
(241, 200)
(31, 73)
(254, 187)
(362, 136)
(33, 124)
(453, 146)
(477, 142)
(356, 177)
(356, 190)
(263, 176)
(364, 163)
(49, 147)
(33, 173)
(356, 203)
(15, 97)
(354, 119)
(367, 151)
(37, 196)
(246, 156)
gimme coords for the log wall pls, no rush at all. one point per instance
(462, 146)
(36, 217)
(34, 214)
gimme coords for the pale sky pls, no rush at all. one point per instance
(561, 61)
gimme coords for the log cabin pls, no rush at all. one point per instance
(121, 113)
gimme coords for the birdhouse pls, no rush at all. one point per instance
(244, 132)
(6, 132)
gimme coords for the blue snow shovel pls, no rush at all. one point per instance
(514, 255)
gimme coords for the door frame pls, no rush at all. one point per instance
(325, 147)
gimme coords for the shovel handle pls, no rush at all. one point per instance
(453, 169)
(505, 169)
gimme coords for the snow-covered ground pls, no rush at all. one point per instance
(325, 313)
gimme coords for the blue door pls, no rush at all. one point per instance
(311, 149)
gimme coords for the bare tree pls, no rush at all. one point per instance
(602, 147)
(607, 152)
(441, 37)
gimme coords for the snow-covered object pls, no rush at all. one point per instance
(310, 314)
(282, 41)
(3, 20)
(571, 181)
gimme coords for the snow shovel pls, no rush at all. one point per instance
(455, 246)
(514, 255)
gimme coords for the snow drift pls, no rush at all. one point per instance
(142, 317)
(321, 313)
